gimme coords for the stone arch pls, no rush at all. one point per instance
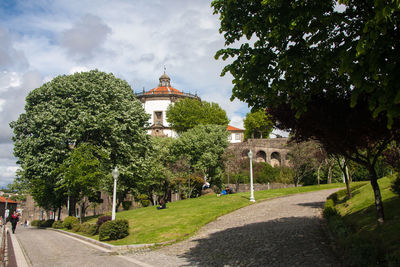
(276, 159)
(261, 156)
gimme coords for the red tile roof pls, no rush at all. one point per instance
(231, 128)
(163, 90)
(3, 199)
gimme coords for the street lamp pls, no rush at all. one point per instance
(251, 177)
(115, 174)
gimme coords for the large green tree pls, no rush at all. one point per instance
(203, 146)
(88, 107)
(189, 112)
(312, 67)
(83, 174)
(257, 124)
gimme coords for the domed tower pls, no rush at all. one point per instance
(156, 102)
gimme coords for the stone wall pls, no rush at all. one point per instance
(237, 188)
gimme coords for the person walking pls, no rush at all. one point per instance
(14, 220)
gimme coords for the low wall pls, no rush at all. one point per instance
(237, 188)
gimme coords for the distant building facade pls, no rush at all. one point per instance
(156, 102)
(236, 135)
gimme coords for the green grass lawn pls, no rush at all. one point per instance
(183, 218)
(361, 237)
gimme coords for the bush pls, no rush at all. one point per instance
(396, 184)
(126, 205)
(35, 223)
(76, 227)
(89, 228)
(70, 221)
(47, 223)
(57, 225)
(113, 230)
(102, 220)
(329, 208)
(143, 200)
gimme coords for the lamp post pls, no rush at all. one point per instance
(115, 174)
(251, 177)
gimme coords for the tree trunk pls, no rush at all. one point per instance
(329, 174)
(59, 214)
(377, 194)
(318, 177)
(346, 178)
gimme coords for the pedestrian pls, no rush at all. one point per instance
(162, 205)
(14, 220)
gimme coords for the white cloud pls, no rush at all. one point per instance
(133, 40)
(85, 37)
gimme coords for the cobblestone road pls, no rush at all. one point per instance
(280, 232)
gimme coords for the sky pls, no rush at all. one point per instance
(134, 40)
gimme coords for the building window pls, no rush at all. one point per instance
(237, 136)
(158, 118)
(230, 137)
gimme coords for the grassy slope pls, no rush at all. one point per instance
(183, 218)
(359, 214)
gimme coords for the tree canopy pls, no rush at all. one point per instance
(203, 146)
(322, 73)
(257, 124)
(89, 107)
(188, 113)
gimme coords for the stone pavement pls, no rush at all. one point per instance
(285, 231)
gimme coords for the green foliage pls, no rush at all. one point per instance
(188, 113)
(89, 107)
(257, 124)
(84, 171)
(58, 225)
(113, 230)
(352, 222)
(102, 220)
(182, 185)
(126, 205)
(76, 227)
(70, 221)
(203, 147)
(143, 200)
(396, 184)
(35, 223)
(46, 223)
(89, 228)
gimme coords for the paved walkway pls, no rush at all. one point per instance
(280, 232)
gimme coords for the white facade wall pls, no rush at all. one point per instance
(235, 138)
(150, 106)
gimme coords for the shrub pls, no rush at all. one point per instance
(143, 200)
(76, 227)
(329, 208)
(47, 223)
(70, 221)
(113, 230)
(396, 184)
(57, 225)
(35, 223)
(102, 220)
(89, 228)
(126, 205)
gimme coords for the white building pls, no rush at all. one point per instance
(236, 134)
(156, 102)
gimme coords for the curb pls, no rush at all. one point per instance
(110, 247)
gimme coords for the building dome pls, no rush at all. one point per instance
(164, 87)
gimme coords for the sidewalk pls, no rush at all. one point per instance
(16, 255)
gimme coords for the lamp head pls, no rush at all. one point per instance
(250, 154)
(115, 172)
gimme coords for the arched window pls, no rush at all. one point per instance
(275, 159)
(261, 156)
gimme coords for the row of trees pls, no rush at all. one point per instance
(76, 128)
(323, 73)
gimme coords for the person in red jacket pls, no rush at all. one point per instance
(14, 220)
